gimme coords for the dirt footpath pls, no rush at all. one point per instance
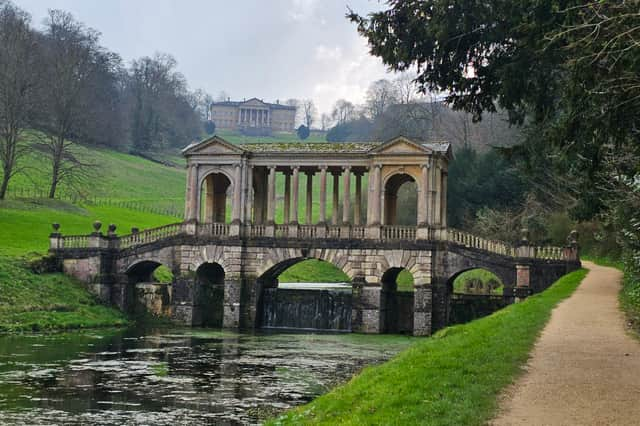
(585, 368)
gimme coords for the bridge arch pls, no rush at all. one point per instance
(451, 279)
(146, 290)
(279, 259)
(402, 184)
(213, 201)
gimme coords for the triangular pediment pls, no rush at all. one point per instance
(213, 146)
(254, 102)
(401, 145)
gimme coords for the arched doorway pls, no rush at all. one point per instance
(214, 203)
(400, 200)
(398, 298)
(305, 293)
(149, 289)
(474, 293)
(209, 294)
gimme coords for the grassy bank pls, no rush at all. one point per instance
(453, 378)
(30, 302)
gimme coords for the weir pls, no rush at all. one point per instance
(322, 310)
(225, 264)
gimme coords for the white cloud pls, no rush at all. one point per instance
(349, 77)
(301, 10)
(324, 53)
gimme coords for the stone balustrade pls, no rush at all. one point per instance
(307, 232)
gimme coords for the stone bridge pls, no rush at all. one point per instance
(234, 241)
(240, 268)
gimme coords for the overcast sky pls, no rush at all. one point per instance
(270, 49)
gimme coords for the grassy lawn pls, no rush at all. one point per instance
(236, 137)
(113, 175)
(25, 225)
(452, 378)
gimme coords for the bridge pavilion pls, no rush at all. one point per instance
(248, 175)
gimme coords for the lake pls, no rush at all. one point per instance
(175, 375)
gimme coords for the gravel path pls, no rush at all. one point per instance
(585, 368)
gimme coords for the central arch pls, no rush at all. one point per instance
(213, 195)
(303, 303)
(403, 187)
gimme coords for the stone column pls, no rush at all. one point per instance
(374, 200)
(287, 197)
(431, 209)
(271, 196)
(373, 218)
(309, 209)
(323, 196)
(231, 302)
(248, 194)
(336, 197)
(368, 307)
(422, 312)
(346, 196)
(438, 192)
(423, 199)
(294, 199)
(239, 114)
(523, 282)
(237, 195)
(193, 193)
(357, 214)
(443, 206)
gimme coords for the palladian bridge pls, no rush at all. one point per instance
(253, 210)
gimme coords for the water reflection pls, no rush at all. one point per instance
(174, 376)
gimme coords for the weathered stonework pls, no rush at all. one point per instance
(251, 265)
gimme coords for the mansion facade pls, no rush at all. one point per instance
(253, 117)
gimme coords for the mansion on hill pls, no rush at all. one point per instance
(253, 117)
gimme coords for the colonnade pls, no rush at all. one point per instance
(264, 207)
(257, 117)
(256, 203)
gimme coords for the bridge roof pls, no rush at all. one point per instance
(321, 147)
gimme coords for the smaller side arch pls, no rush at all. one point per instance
(144, 291)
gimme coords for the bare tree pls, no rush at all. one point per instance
(18, 56)
(343, 111)
(72, 59)
(406, 89)
(201, 103)
(380, 95)
(325, 121)
(309, 112)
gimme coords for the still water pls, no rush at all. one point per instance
(174, 376)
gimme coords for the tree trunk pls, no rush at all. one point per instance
(54, 179)
(55, 166)
(5, 183)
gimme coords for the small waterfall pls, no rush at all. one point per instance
(306, 309)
